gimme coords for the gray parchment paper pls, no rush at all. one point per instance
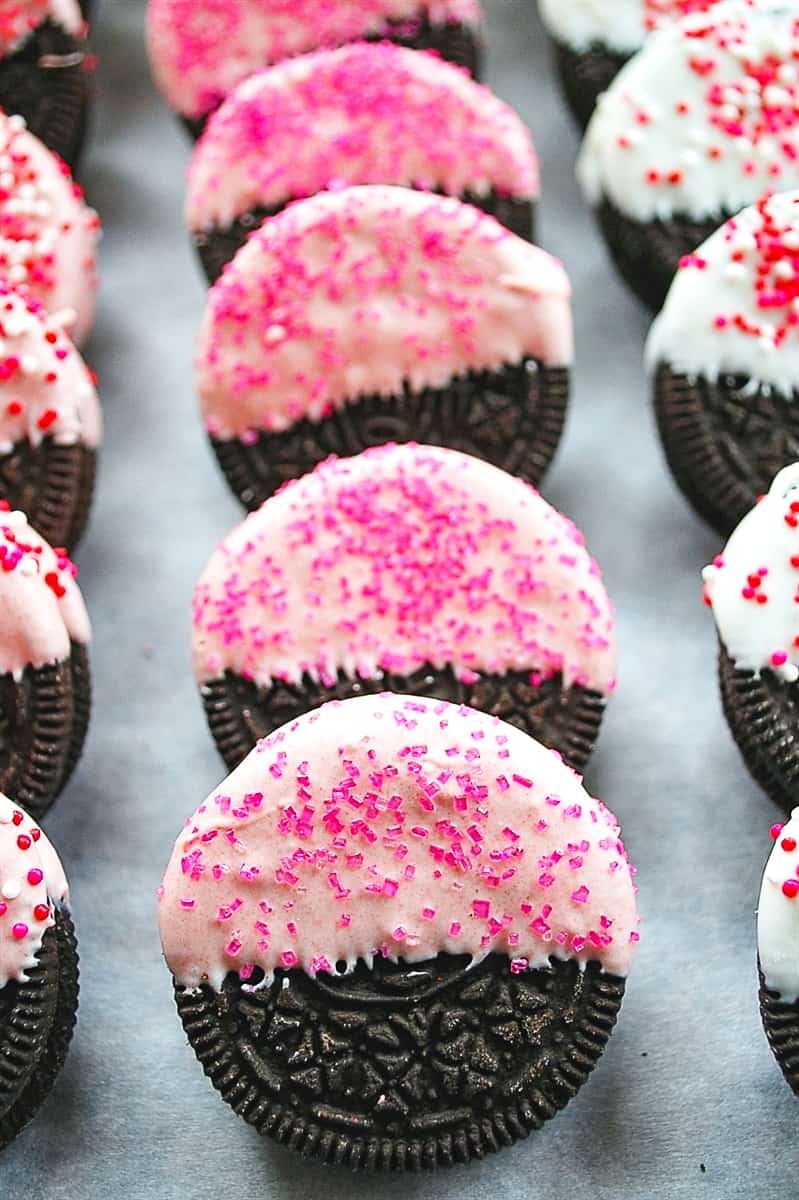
(687, 1101)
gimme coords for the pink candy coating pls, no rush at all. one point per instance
(358, 819)
(31, 881)
(406, 556)
(363, 113)
(361, 291)
(200, 49)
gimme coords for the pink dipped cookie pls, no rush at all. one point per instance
(48, 235)
(778, 948)
(38, 968)
(363, 113)
(378, 314)
(404, 928)
(45, 687)
(201, 49)
(44, 71)
(409, 568)
(50, 421)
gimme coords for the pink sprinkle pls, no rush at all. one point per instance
(289, 958)
(428, 913)
(517, 965)
(481, 908)
(390, 887)
(581, 895)
(454, 929)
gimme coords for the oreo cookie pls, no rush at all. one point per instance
(259, 152)
(45, 80)
(403, 1067)
(38, 970)
(724, 374)
(199, 56)
(50, 422)
(778, 949)
(585, 76)
(661, 160)
(45, 686)
(350, 1001)
(467, 344)
(320, 596)
(752, 587)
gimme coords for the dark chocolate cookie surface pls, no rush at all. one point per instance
(53, 485)
(568, 719)
(762, 712)
(46, 82)
(37, 1019)
(584, 76)
(781, 1023)
(512, 417)
(43, 722)
(403, 1067)
(725, 440)
(647, 253)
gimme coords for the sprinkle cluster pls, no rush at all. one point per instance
(363, 291)
(18, 18)
(789, 886)
(396, 827)
(22, 550)
(30, 880)
(403, 557)
(752, 116)
(657, 13)
(47, 234)
(46, 390)
(762, 254)
(201, 49)
(262, 147)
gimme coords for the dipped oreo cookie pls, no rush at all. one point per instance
(592, 40)
(201, 49)
(45, 687)
(377, 314)
(753, 590)
(698, 125)
(414, 569)
(399, 934)
(44, 75)
(389, 115)
(778, 949)
(38, 969)
(50, 422)
(724, 356)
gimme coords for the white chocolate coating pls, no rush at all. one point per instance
(703, 120)
(778, 915)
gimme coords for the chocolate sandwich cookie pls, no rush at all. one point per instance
(399, 933)
(43, 71)
(48, 235)
(377, 314)
(389, 115)
(45, 689)
(38, 969)
(593, 39)
(724, 356)
(409, 568)
(201, 49)
(698, 125)
(778, 949)
(50, 422)
(753, 590)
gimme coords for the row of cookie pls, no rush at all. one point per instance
(358, 315)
